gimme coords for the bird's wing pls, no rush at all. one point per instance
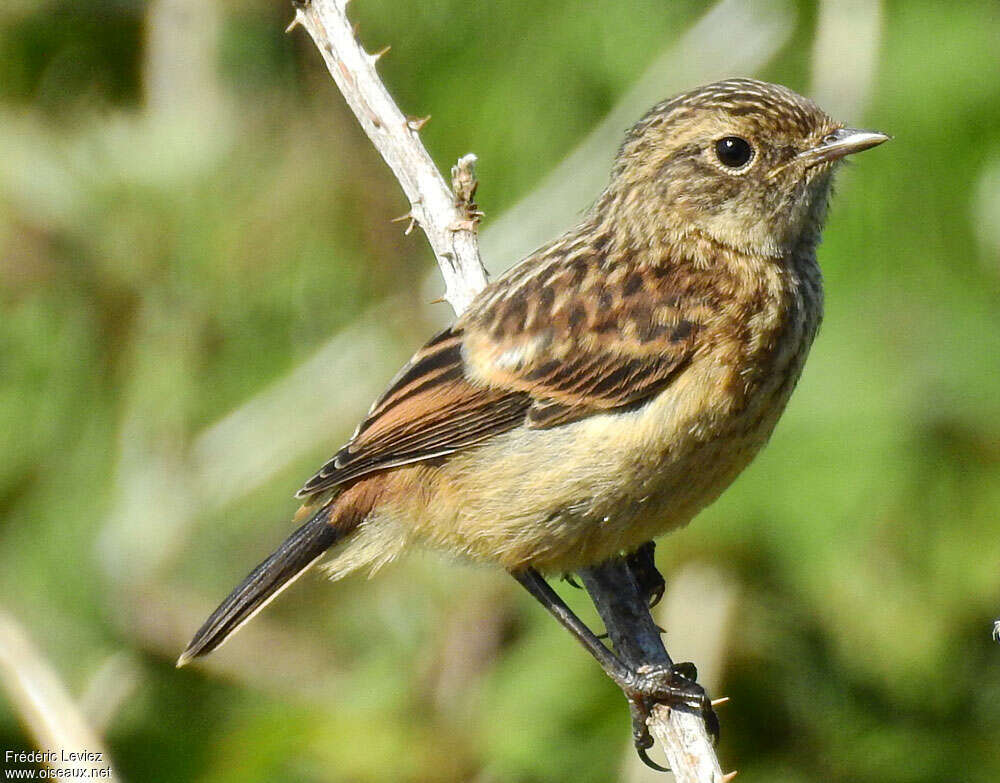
(429, 410)
(535, 350)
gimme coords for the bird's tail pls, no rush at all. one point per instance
(292, 559)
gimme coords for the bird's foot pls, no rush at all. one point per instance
(673, 686)
(642, 564)
(571, 581)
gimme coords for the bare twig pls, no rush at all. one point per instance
(449, 220)
(40, 698)
(443, 217)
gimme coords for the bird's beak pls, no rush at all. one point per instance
(845, 141)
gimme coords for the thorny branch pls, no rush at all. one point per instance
(449, 219)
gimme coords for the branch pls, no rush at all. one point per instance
(637, 640)
(449, 221)
(689, 751)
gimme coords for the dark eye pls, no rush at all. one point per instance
(733, 151)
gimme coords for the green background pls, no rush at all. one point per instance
(164, 260)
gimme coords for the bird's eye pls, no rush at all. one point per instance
(733, 151)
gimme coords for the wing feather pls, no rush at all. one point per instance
(528, 352)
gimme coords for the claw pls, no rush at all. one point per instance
(640, 709)
(687, 670)
(642, 564)
(644, 757)
(676, 685)
(641, 737)
(711, 721)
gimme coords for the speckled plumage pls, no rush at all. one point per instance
(616, 381)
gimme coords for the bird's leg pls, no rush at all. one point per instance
(648, 579)
(636, 638)
(645, 680)
(642, 564)
(535, 584)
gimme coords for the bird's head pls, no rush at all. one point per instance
(742, 162)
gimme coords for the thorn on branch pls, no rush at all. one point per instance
(376, 56)
(465, 225)
(417, 123)
(294, 23)
(412, 221)
(729, 776)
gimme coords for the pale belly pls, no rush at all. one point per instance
(574, 495)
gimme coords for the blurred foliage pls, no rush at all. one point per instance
(157, 272)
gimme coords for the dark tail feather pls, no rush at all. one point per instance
(292, 559)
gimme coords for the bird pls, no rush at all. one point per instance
(608, 387)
